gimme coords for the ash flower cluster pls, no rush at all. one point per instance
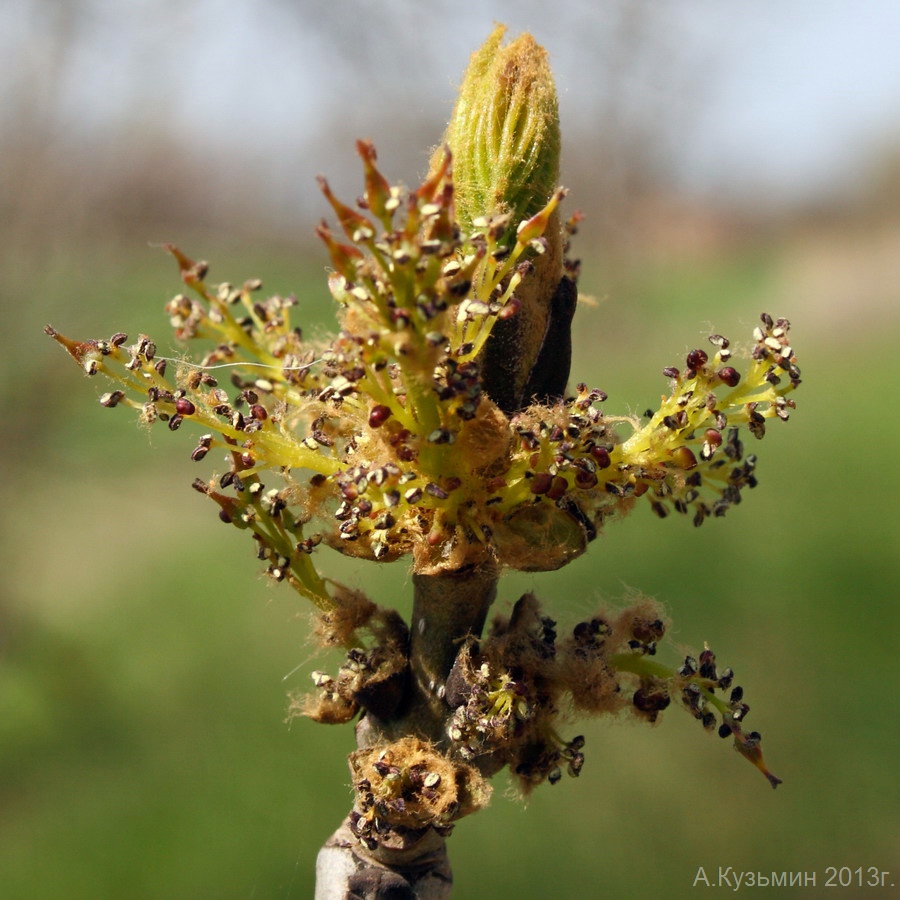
(409, 785)
(386, 442)
(437, 425)
(509, 696)
(511, 691)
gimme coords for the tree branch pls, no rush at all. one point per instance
(447, 608)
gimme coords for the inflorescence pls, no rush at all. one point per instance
(522, 677)
(386, 442)
(386, 439)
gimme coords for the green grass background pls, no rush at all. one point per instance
(144, 664)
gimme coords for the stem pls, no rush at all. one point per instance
(344, 871)
(447, 608)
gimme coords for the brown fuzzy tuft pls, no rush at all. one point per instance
(411, 784)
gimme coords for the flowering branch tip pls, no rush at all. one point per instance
(438, 424)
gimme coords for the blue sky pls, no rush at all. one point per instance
(818, 80)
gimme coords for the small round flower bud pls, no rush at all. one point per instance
(601, 457)
(684, 458)
(696, 359)
(729, 375)
(558, 487)
(378, 415)
(541, 482)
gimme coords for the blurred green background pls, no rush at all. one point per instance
(144, 663)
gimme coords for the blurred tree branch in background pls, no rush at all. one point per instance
(144, 121)
(127, 157)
